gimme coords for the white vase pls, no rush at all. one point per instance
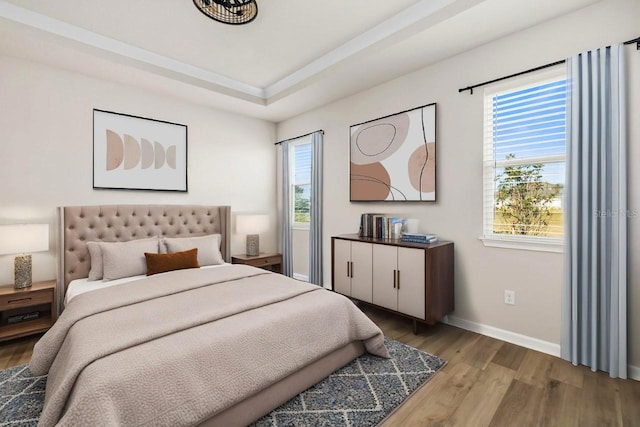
(412, 225)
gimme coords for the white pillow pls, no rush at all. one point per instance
(95, 253)
(125, 259)
(208, 247)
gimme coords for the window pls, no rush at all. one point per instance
(524, 162)
(301, 182)
(301, 189)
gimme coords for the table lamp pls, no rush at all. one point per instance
(252, 225)
(23, 239)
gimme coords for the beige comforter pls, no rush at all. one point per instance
(177, 348)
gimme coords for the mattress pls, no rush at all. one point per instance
(81, 286)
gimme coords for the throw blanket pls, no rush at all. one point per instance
(177, 348)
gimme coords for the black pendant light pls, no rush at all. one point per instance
(233, 12)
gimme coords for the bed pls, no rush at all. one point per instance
(219, 346)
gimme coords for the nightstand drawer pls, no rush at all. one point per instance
(276, 259)
(271, 262)
(26, 299)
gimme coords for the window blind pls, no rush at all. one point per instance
(302, 162)
(524, 156)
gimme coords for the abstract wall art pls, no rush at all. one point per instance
(136, 153)
(393, 158)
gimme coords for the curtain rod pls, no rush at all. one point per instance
(301, 136)
(470, 88)
(542, 67)
(636, 41)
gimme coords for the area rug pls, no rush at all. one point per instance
(362, 393)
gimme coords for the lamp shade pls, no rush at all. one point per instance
(24, 238)
(252, 224)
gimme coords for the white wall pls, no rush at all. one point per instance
(46, 142)
(300, 245)
(481, 273)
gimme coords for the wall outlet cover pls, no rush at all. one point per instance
(510, 297)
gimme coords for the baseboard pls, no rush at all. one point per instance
(504, 335)
(633, 372)
(301, 277)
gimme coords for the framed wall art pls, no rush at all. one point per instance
(136, 153)
(393, 158)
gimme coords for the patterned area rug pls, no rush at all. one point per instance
(362, 393)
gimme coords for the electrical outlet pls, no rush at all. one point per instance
(510, 297)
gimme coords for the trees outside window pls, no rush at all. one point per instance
(525, 201)
(301, 182)
(301, 203)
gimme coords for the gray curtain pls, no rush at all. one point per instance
(315, 226)
(595, 291)
(287, 255)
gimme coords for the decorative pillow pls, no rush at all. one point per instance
(160, 263)
(95, 253)
(125, 259)
(208, 247)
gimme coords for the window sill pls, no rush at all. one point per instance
(300, 226)
(528, 244)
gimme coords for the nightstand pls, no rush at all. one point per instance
(271, 262)
(27, 311)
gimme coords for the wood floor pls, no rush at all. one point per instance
(486, 382)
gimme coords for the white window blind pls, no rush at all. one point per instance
(301, 181)
(524, 158)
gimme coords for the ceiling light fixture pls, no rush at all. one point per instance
(233, 12)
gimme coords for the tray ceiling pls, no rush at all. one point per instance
(295, 56)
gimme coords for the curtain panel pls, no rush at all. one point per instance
(287, 200)
(595, 289)
(315, 226)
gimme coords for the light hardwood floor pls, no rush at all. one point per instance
(486, 382)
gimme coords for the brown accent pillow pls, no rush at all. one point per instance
(160, 263)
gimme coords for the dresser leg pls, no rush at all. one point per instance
(415, 327)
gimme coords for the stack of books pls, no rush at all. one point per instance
(367, 221)
(419, 238)
(379, 226)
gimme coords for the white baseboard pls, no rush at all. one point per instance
(300, 277)
(504, 335)
(633, 372)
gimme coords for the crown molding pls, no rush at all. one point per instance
(163, 65)
(135, 54)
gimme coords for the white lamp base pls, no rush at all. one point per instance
(253, 245)
(22, 270)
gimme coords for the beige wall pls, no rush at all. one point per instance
(300, 243)
(482, 273)
(46, 152)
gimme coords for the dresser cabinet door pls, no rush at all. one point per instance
(384, 265)
(341, 259)
(411, 290)
(361, 274)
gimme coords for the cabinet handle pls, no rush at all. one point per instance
(398, 279)
(351, 270)
(394, 279)
(348, 269)
(11, 301)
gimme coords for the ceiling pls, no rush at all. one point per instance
(297, 55)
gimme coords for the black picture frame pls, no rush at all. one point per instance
(393, 158)
(139, 153)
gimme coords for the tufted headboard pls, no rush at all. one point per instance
(120, 223)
